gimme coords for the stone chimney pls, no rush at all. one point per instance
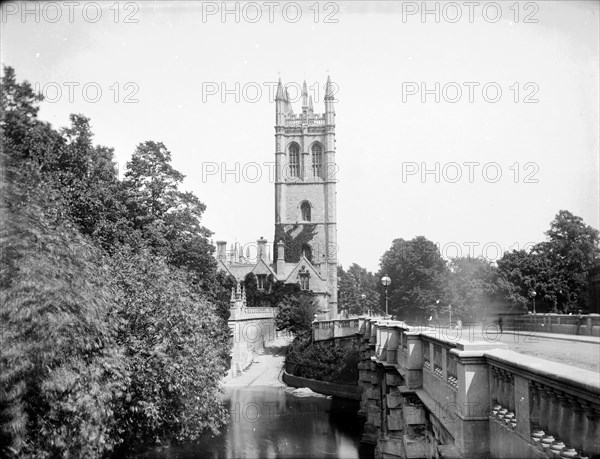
(280, 266)
(222, 251)
(262, 250)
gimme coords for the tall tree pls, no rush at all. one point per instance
(352, 285)
(473, 287)
(296, 313)
(573, 250)
(556, 269)
(167, 217)
(419, 277)
(62, 372)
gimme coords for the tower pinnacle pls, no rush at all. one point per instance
(304, 97)
(279, 95)
(329, 88)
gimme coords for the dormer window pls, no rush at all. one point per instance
(261, 281)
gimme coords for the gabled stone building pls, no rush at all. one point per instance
(305, 242)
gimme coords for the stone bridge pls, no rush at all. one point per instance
(426, 395)
(251, 328)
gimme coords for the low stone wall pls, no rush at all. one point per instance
(249, 339)
(349, 391)
(586, 325)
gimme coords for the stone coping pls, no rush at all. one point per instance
(538, 369)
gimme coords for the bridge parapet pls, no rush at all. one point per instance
(549, 407)
(578, 324)
(428, 395)
(336, 328)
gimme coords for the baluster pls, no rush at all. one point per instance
(566, 421)
(553, 413)
(500, 388)
(591, 434)
(494, 385)
(544, 409)
(505, 389)
(511, 394)
(577, 426)
(534, 410)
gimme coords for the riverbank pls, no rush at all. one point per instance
(266, 368)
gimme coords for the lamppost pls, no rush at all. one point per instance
(532, 294)
(386, 281)
(363, 297)
(450, 311)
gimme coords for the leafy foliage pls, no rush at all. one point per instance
(113, 318)
(323, 361)
(473, 286)
(174, 345)
(62, 371)
(355, 283)
(294, 241)
(556, 269)
(296, 313)
(419, 278)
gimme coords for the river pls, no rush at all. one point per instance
(270, 420)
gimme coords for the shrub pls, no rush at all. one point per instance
(324, 361)
(175, 344)
(61, 369)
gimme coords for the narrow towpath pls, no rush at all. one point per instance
(265, 369)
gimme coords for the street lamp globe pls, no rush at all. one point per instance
(363, 297)
(532, 295)
(386, 281)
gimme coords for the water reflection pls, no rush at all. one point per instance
(271, 422)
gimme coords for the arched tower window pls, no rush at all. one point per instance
(294, 160)
(305, 211)
(317, 160)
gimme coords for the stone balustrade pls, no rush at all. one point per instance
(425, 394)
(546, 409)
(248, 313)
(335, 328)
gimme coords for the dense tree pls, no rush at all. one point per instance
(352, 285)
(419, 278)
(112, 314)
(62, 372)
(473, 288)
(176, 350)
(167, 217)
(556, 269)
(296, 313)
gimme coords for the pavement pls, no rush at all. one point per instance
(559, 336)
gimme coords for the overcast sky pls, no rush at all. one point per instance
(522, 153)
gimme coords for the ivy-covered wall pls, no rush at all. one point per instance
(293, 244)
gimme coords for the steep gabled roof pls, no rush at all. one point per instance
(306, 265)
(263, 268)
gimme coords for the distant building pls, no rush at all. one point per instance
(305, 242)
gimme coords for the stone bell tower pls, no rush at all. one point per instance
(305, 195)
